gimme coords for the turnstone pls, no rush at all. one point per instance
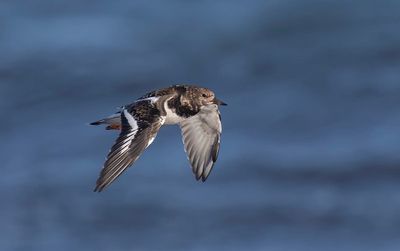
(194, 108)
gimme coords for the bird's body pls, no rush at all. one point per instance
(195, 109)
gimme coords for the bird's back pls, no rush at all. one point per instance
(175, 89)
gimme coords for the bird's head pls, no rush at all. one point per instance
(207, 97)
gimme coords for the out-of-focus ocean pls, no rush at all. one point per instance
(310, 153)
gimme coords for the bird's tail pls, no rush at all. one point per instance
(113, 122)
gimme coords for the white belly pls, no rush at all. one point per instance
(171, 117)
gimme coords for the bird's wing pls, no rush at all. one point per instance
(201, 136)
(137, 133)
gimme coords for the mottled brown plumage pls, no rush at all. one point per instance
(194, 108)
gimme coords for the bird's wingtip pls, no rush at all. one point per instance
(97, 189)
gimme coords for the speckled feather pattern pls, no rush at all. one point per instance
(193, 108)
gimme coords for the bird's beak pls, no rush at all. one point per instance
(219, 102)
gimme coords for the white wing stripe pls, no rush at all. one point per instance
(131, 120)
(152, 99)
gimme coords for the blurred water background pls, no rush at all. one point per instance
(310, 149)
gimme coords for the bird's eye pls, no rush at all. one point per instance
(204, 95)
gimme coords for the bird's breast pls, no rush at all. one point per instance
(171, 117)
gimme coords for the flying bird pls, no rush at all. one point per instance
(194, 109)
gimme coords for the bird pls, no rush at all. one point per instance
(195, 109)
